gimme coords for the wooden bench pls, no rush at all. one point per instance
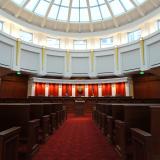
(47, 108)
(135, 116)
(18, 114)
(9, 143)
(102, 115)
(60, 113)
(146, 141)
(37, 112)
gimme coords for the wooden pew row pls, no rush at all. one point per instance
(105, 116)
(119, 123)
(56, 101)
(142, 144)
(144, 118)
(14, 114)
(110, 115)
(47, 109)
(37, 112)
(146, 142)
(9, 140)
(133, 116)
(100, 116)
(37, 121)
(51, 116)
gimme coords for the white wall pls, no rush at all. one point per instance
(101, 62)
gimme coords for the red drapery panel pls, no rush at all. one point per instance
(120, 89)
(69, 89)
(80, 90)
(39, 89)
(53, 90)
(56, 88)
(93, 90)
(90, 92)
(106, 89)
(66, 90)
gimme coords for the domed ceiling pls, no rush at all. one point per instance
(79, 15)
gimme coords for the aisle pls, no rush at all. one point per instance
(77, 139)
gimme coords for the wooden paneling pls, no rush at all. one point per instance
(4, 71)
(13, 86)
(146, 86)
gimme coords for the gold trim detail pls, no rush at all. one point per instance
(92, 60)
(117, 58)
(68, 60)
(142, 50)
(43, 56)
(18, 47)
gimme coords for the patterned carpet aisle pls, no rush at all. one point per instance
(77, 139)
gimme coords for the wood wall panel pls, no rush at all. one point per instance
(146, 86)
(13, 86)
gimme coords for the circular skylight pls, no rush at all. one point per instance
(78, 11)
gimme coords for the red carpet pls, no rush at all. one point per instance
(77, 139)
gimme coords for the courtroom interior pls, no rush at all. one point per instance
(79, 79)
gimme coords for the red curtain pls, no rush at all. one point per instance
(66, 90)
(80, 90)
(120, 89)
(93, 90)
(90, 92)
(106, 90)
(69, 89)
(39, 89)
(53, 90)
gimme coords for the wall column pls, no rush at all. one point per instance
(131, 90)
(46, 90)
(99, 90)
(73, 90)
(113, 89)
(33, 89)
(127, 88)
(86, 90)
(18, 54)
(60, 90)
(117, 67)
